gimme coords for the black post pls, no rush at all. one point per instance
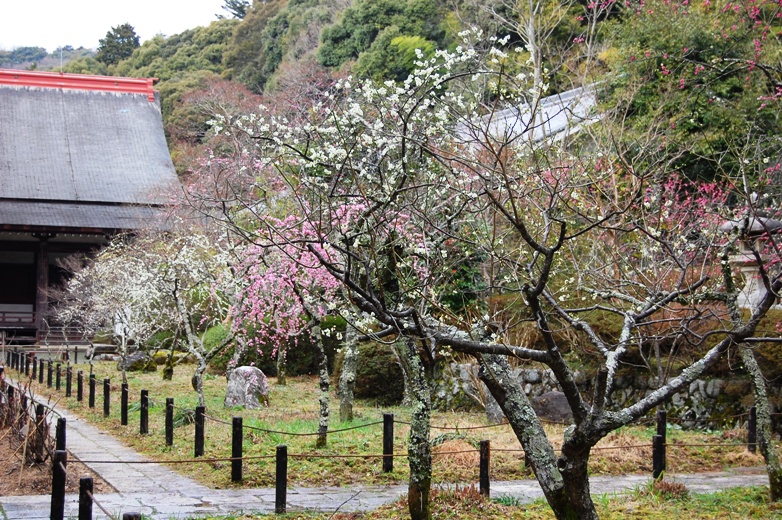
(123, 414)
(40, 421)
(752, 430)
(58, 376)
(75, 355)
(35, 367)
(106, 397)
(388, 442)
(236, 450)
(281, 481)
(40, 371)
(27, 365)
(485, 452)
(79, 386)
(144, 425)
(59, 438)
(169, 421)
(131, 516)
(59, 461)
(49, 373)
(68, 380)
(199, 431)
(85, 498)
(662, 424)
(658, 456)
(92, 391)
(10, 392)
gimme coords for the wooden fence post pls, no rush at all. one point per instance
(199, 430)
(68, 380)
(49, 373)
(388, 442)
(144, 417)
(484, 482)
(79, 386)
(169, 421)
(58, 377)
(658, 456)
(59, 461)
(123, 405)
(281, 480)
(237, 439)
(106, 397)
(131, 516)
(59, 437)
(752, 430)
(40, 371)
(38, 440)
(34, 362)
(91, 402)
(27, 365)
(85, 498)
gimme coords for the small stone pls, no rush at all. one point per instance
(714, 387)
(531, 376)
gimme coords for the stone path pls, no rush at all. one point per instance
(159, 493)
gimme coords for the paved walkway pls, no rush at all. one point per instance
(159, 493)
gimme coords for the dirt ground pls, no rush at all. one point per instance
(24, 479)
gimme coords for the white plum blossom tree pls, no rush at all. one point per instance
(402, 182)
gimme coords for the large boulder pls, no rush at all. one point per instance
(137, 361)
(247, 386)
(552, 406)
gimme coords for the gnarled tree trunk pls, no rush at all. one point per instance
(763, 411)
(347, 379)
(324, 385)
(419, 449)
(564, 480)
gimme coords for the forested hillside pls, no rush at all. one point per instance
(688, 64)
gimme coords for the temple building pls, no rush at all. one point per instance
(81, 159)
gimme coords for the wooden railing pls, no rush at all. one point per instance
(17, 319)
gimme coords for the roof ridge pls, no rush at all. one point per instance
(62, 80)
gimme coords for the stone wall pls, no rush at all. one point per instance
(707, 403)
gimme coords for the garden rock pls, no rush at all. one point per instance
(137, 361)
(247, 386)
(553, 406)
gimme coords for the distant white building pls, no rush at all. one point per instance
(554, 118)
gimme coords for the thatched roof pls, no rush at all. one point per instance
(80, 152)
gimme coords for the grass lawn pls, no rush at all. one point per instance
(293, 409)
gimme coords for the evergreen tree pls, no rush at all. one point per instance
(118, 44)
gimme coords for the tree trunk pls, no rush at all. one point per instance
(168, 369)
(198, 380)
(407, 400)
(564, 480)
(325, 384)
(763, 415)
(281, 365)
(347, 379)
(419, 449)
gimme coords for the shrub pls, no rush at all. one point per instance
(378, 375)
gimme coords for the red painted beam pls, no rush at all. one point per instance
(34, 78)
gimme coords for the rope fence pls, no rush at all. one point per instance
(60, 461)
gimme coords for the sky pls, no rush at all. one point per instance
(82, 23)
